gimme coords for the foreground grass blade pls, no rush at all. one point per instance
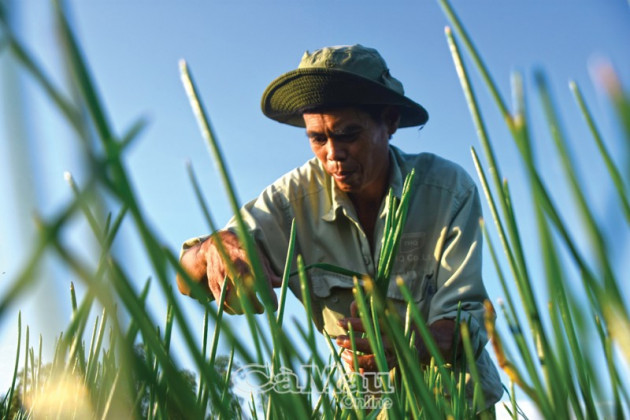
(516, 267)
(569, 385)
(613, 171)
(286, 274)
(208, 134)
(556, 368)
(600, 247)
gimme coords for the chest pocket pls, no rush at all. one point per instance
(422, 286)
(415, 265)
(323, 282)
(332, 296)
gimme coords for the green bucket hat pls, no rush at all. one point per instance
(338, 76)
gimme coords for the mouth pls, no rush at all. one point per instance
(342, 175)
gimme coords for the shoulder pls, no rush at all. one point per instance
(435, 171)
(304, 181)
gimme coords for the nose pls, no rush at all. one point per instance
(336, 151)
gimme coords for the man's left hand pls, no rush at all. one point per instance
(442, 331)
(366, 360)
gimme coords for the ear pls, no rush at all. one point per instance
(391, 117)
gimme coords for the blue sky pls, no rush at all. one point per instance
(235, 48)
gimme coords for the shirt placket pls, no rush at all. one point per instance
(364, 245)
(369, 258)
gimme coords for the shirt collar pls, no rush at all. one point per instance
(340, 202)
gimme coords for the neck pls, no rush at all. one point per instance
(367, 213)
(368, 202)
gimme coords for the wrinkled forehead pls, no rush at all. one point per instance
(338, 119)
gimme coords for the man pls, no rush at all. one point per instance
(351, 106)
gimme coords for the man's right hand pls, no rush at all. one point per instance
(205, 265)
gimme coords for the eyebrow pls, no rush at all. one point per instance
(349, 129)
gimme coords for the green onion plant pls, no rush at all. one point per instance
(121, 364)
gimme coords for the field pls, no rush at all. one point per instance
(119, 363)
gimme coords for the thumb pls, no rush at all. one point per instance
(354, 310)
(274, 280)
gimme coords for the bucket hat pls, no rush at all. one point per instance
(338, 76)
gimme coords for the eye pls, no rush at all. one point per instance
(317, 139)
(347, 138)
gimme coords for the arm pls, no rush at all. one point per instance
(458, 275)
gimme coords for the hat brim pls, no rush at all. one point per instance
(289, 95)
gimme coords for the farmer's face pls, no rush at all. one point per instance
(352, 147)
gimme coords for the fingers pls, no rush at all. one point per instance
(218, 275)
(355, 323)
(272, 295)
(237, 267)
(354, 309)
(236, 295)
(194, 263)
(361, 344)
(274, 279)
(244, 290)
(366, 362)
(249, 287)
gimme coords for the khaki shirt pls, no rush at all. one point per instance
(439, 256)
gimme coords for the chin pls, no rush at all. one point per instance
(346, 188)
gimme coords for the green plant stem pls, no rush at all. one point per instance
(613, 171)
